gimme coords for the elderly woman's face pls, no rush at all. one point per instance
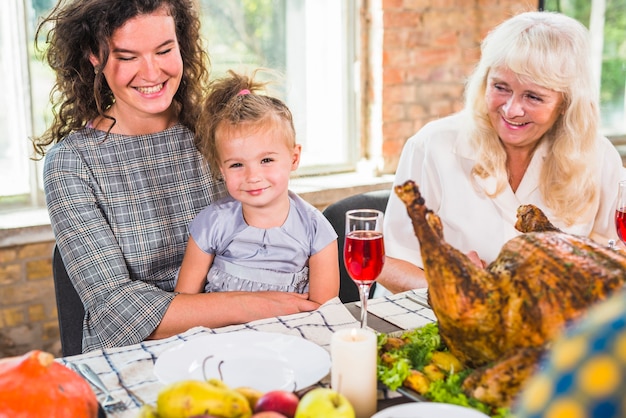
(520, 111)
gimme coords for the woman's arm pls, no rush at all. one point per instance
(324, 274)
(121, 228)
(194, 269)
(93, 256)
(214, 310)
(399, 276)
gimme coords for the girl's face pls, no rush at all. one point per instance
(144, 68)
(521, 112)
(256, 163)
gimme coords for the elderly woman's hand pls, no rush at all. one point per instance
(473, 255)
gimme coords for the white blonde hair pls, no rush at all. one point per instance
(553, 51)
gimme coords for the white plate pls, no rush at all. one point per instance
(262, 360)
(428, 410)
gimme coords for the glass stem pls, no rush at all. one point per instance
(365, 294)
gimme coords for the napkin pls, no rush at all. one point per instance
(316, 326)
(419, 295)
(407, 310)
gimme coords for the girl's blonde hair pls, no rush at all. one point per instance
(235, 101)
(553, 51)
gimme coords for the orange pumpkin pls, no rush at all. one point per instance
(35, 385)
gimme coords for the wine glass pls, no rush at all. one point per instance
(620, 211)
(364, 251)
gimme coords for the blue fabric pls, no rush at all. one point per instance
(584, 374)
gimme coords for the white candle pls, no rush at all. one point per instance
(353, 371)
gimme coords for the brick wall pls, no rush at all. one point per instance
(28, 315)
(429, 47)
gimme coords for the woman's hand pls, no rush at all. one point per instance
(271, 304)
(473, 256)
(219, 309)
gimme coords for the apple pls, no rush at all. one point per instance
(268, 414)
(280, 401)
(324, 402)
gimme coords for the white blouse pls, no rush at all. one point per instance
(439, 160)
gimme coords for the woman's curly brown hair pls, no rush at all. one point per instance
(80, 28)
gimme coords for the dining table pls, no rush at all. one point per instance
(129, 372)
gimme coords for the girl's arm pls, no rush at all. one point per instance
(324, 274)
(194, 269)
(219, 309)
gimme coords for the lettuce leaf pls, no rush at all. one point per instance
(393, 376)
(417, 353)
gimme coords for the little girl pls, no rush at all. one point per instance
(263, 236)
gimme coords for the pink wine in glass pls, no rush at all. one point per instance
(620, 223)
(364, 255)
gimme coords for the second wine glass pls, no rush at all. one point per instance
(364, 251)
(620, 212)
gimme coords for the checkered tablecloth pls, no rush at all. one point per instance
(408, 310)
(128, 371)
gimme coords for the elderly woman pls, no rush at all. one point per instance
(529, 134)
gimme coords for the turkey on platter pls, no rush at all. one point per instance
(498, 319)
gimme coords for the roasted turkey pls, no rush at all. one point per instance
(499, 319)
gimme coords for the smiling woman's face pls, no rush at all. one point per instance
(520, 111)
(145, 67)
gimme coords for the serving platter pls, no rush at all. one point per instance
(411, 394)
(446, 395)
(428, 410)
(404, 391)
(262, 360)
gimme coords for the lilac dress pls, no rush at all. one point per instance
(256, 259)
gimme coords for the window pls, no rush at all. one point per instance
(309, 42)
(16, 110)
(606, 19)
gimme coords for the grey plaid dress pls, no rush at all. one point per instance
(120, 208)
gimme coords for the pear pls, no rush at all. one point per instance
(251, 394)
(148, 411)
(190, 398)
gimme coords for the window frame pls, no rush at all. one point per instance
(35, 198)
